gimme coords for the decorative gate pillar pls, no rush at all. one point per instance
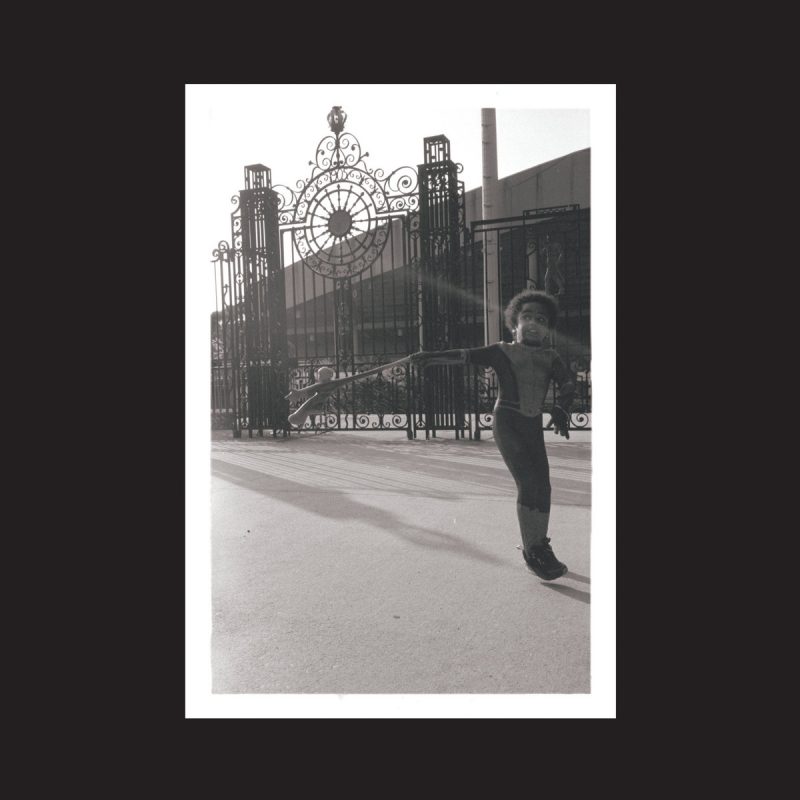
(265, 304)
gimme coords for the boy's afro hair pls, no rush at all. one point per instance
(530, 296)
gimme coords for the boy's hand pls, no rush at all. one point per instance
(560, 421)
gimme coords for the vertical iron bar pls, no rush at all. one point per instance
(301, 267)
(294, 296)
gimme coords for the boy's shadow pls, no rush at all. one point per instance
(334, 503)
(576, 577)
(575, 594)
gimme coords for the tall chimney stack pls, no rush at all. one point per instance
(492, 209)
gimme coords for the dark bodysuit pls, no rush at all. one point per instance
(523, 375)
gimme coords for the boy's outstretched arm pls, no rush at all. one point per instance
(479, 356)
(428, 358)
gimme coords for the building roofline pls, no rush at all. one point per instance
(525, 174)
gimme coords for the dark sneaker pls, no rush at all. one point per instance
(542, 561)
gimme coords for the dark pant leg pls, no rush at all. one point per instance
(521, 443)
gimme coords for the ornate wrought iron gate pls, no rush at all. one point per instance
(350, 269)
(354, 268)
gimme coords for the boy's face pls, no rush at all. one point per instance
(532, 324)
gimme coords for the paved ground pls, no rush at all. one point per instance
(366, 563)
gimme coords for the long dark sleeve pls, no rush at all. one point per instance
(488, 356)
(481, 356)
(443, 357)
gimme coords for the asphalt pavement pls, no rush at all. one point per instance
(362, 562)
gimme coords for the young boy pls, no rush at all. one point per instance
(524, 370)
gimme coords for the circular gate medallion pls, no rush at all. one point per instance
(341, 233)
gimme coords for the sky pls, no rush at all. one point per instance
(280, 125)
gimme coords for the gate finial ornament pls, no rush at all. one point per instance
(337, 119)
